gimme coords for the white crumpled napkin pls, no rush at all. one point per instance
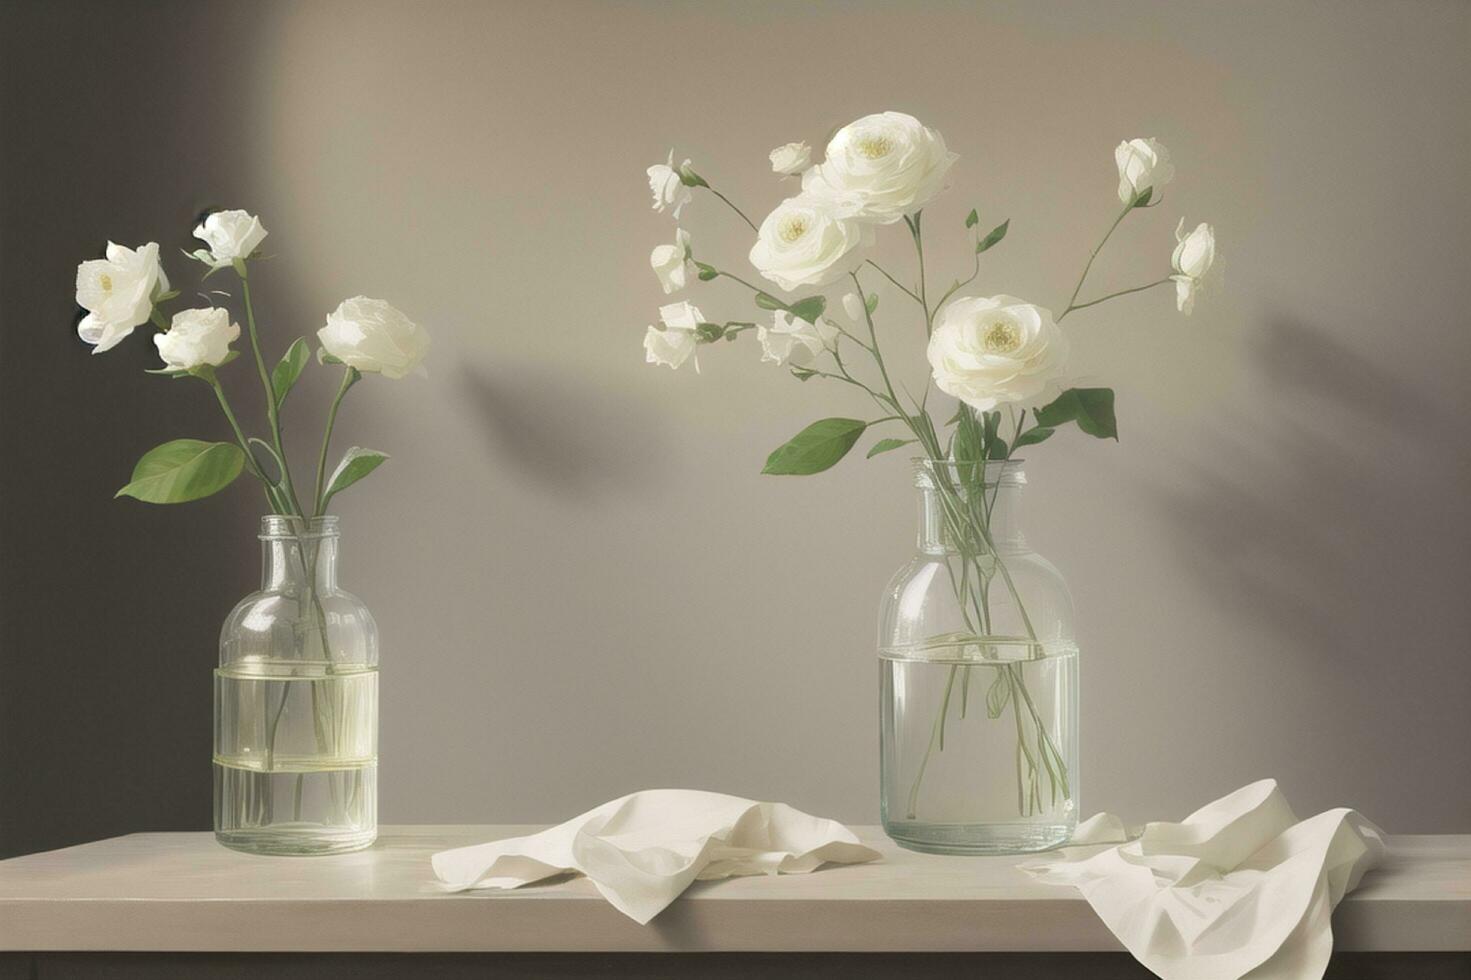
(1240, 888)
(642, 850)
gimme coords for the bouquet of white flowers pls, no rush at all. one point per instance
(1002, 357)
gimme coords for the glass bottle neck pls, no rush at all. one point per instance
(297, 556)
(960, 511)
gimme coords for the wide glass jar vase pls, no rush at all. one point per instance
(978, 676)
(296, 704)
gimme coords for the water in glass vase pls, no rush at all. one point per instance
(978, 742)
(296, 756)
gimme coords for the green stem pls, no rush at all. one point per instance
(1121, 292)
(1079, 287)
(349, 378)
(272, 500)
(272, 410)
(737, 210)
(907, 291)
(914, 229)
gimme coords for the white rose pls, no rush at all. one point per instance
(669, 190)
(987, 351)
(671, 262)
(802, 243)
(1143, 163)
(373, 336)
(790, 159)
(1194, 255)
(230, 235)
(792, 340)
(117, 292)
(675, 342)
(197, 337)
(881, 168)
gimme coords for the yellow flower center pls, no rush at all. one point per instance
(792, 228)
(875, 145)
(1001, 337)
(106, 283)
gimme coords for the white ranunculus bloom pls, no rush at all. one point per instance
(675, 342)
(792, 340)
(1195, 254)
(373, 336)
(989, 351)
(802, 243)
(117, 293)
(881, 168)
(669, 190)
(196, 338)
(230, 235)
(671, 262)
(1143, 163)
(791, 159)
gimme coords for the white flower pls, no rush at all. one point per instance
(371, 335)
(671, 262)
(802, 243)
(790, 159)
(669, 190)
(677, 340)
(989, 351)
(197, 337)
(854, 306)
(1143, 163)
(230, 235)
(792, 340)
(1194, 255)
(117, 293)
(880, 168)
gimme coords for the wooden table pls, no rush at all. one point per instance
(179, 902)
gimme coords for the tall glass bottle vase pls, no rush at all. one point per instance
(296, 704)
(979, 676)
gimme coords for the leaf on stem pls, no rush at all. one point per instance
(1034, 435)
(1091, 408)
(324, 358)
(998, 694)
(995, 235)
(184, 470)
(356, 463)
(888, 445)
(972, 218)
(769, 302)
(815, 448)
(809, 309)
(293, 362)
(1142, 200)
(707, 272)
(872, 303)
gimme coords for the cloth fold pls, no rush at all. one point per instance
(1239, 889)
(642, 850)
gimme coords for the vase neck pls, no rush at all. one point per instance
(969, 507)
(298, 554)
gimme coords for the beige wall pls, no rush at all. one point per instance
(584, 585)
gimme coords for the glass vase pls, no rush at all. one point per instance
(978, 676)
(296, 704)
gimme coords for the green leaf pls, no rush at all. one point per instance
(872, 303)
(707, 272)
(1142, 200)
(1034, 435)
(800, 373)
(1091, 408)
(356, 464)
(888, 445)
(815, 448)
(293, 362)
(998, 694)
(184, 470)
(994, 236)
(709, 332)
(689, 178)
(809, 309)
(972, 218)
(324, 358)
(769, 302)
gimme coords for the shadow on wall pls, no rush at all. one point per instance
(1358, 544)
(566, 438)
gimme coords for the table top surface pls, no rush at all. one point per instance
(184, 892)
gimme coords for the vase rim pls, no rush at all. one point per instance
(276, 526)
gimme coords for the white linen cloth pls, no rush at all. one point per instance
(642, 850)
(1239, 889)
